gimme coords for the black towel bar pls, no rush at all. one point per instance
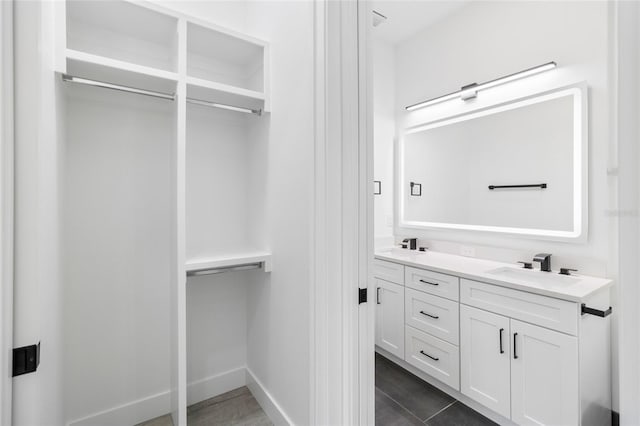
(586, 310)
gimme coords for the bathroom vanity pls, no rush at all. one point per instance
(526, 344)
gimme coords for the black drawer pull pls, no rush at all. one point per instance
(378, 295)
(427, 282)
(432, 357)
(429, 315)
(515, 354)
(500, 334)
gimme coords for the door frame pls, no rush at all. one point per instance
(6, 208)
(341, 330)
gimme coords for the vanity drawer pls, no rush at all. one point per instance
(545, 311)
(432, 282)
(435, 357)
(388, 271)
(432, 314)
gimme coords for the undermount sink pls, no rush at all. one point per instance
(396, 251)
(534, 276)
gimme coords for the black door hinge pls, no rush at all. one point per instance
(362, 295)
(26, 359)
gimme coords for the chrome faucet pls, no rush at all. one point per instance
(545, 261)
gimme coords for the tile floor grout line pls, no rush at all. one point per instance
(400, 405)
(454, 401)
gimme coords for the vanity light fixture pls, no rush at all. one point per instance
(470, 91)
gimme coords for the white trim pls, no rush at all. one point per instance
(366, 326)
(337, 233)
(6, 208)
(216, 385)
(623, 169)
(159, 404)
(130, 413)
(268, 403)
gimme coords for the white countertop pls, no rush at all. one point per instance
(563, 287)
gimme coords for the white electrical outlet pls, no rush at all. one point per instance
(467, 251)
(389, 220)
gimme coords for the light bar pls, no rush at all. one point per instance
(468, 91)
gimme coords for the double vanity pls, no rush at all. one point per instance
(529, 345)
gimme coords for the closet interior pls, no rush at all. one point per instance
(165, 142)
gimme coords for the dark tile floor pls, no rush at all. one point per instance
(404, 399)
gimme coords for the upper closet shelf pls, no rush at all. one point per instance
(222, 263)
(104, 41)
(222, 93)
(86, 65)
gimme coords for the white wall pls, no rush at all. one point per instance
(384, 131)
(278, 310)
(485, 40)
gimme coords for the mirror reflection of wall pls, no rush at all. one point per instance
(458, 161)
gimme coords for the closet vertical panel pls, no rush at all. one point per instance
(179, 278)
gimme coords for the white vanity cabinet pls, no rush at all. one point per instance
(524, 351)
(521, 371)
(389, 307)
(390, 317)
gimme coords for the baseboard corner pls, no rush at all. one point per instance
(270, 406)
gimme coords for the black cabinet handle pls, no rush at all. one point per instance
(515, 354)
(429, 315)
(500, 336)
(378, 295)
(427, 282)
(432, 357)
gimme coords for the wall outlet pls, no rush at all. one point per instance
(389, 220)
(467, 251)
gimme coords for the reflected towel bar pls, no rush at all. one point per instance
(120, 88)
(535, 185)
(222, 269)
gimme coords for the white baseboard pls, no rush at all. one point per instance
(160, 404)
(215, 385)
(130, 413)
(273, 410)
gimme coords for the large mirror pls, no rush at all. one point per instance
(518, 167)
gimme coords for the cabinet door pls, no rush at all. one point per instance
(390, 317)
(544, 376)
(485, 358)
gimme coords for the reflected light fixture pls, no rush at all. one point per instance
(470, 91)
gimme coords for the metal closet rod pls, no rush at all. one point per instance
(118, 87)
(221, 269)
(155, 94)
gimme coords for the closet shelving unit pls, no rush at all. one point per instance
(196, 65)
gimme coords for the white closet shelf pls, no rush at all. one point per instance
(82, 64)
(230, 261)
(211, 91)
(120, 65)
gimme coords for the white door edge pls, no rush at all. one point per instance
(6, 209)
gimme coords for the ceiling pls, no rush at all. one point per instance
(406, 18)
